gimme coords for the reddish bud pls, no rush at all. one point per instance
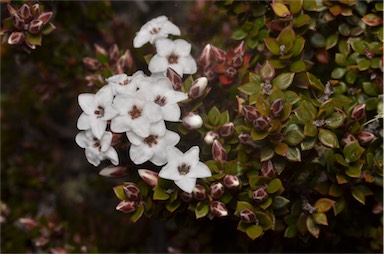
(259, 194)
(16, 38)
(131, 191)
(113, 171)
(217, 190)
(348, 138)
(205, 58)
(12, 10)
(175, 79)
(114, 53)
(199, 192)
(25, 11)
(35, 26)
(91, 63)
(192, 121)
(237, 61)
(218, 54)
(18, 22)
(227, 129)
(267, 169)
(247, 216)
(261, 123)
(150, 177)
(35, 9)
(250, 113)
(100, 50)
(209, 73)
(358, 112)
(45, 17)
(218, 209)
(210, 136)
(277, 108)
(186, 197)
(245, 138)
(198, 87)
(230, 72)
(126, 60)
(127, 206)
(365, 137)
(231, 181)
(240, 49)
(28, 223)
(218, 151)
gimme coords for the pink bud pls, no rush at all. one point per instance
(25, 11)
(91, 63)
(198, 87)
(261, 123)
(127, 206)
(35, 9)
(230, 72)
(237, 61)
(218, 151)
(175, 79)
(210, 136)
(267, 169)
(199, 192)
(248, 216)
(12, 10)
(240, 49)
(114, 53)
(227, 129)
(28, 223)
(126, 59)
(365, 137)
(218, 209)
(131, 191)
(205, 58)
(192, 121)
(245, 138)
(45, 17)
(100, 50)
(250, 112)
(16, 38)
(348, 138)
(231, 181)
(219, 54)
(18, 22)
(277, 108)
(217, 190)
(186, 197)
(150, 177)
(35, 26)
(358, 112)
(113, 171)
(259, 194)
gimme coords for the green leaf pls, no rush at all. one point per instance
(48, 28)
(160, 194)
(119, 192)
(363, 65)
(301, 20)
(370, 89)
(302, 223)
(306, 112)
(320, 218)
(266, 153)
(298, 46)
(297, 66)
(258, 135)
(359, 192)
(284, 80)
(272, 45)
(267, 71)
(340, 159)
(331, 41)
(213, 116)
(335, 190)
(34, 39)
(286, 38)
(172, 206)
(242, 226)
(254, 231)
(354, 171)
(315, 82)
(310, 130)
(239, 34)
(328, 138)
(202, 209)
(280, 10)
(281, 148)
(338, 73)
(293, 154)
(242, 205)
(274, 186)
(264, 219)
(313, 228)
(291, 230)
(308, 144)
(280, 202)
(295, 6)
(294, 137)
(250, 88)
(323, 205)
(137, 214)
(341, 59)
(339, 206)
(335, 120)
(353, 151)
(291, 97)
(266, 203)
(318, 40)
(351, 76)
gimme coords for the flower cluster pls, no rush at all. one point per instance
(139, 106)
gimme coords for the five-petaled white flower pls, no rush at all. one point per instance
(183, 169)
(124, 84)
(135, 115)
(161, 92)
(173, 54)
(153, 147)
(96, 149)
(154, 29)
(98, 110)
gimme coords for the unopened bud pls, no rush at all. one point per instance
(237, 61)
(227, 129)
(217, 190)
(192, 121)
(91, 63)
(205, 58)
(127, 206)
(45, 17)
(131, 191)
(198, 87)
(247, 216)
(18, 22)
(365, 137)
(277, 108)
(12, 10)
(126, 60)
(186, 197)
(199, 192)
(358, 112)
(219, 54)
(259, 194)
(218, 151)
(25, 12)
(267, 169)
(28, 223)
(245, 138)
(16, 38)
(210, 136)
(150, 177)
(230, 72)
(175, 79)
(35, 9)
(35, 26)
(240, 49)
(261, 123)
(250, 113)
(100, 50)
(218, 209)
(231, 181)
(114, 53)
(348, 138)
(113, 171)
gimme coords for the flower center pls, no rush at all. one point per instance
(160, 100)
(151, 140)
(173, 59)
(124, 83)
(155, 30)
(99, 112)
(183, 169)
(135, 112)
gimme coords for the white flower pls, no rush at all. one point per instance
(154, 29)
(183, 169)
(153, 147)
(96, 149)
(124, 84)
(173, 54)
(135, 115)
(161, 92)
(97, 109)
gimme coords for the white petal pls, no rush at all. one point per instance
(109, 112)
(84, 122)
(186, 184)
(169, 139)
(118, 78)
(174, 155)
(152, 111)
(141, 126)
(164, 47)
(158, 64)
(111, 154)
(140, 154)
(92, 157)
(169, 172)
(134, 138)
(81, 139)
(104, 96)
(182, 48)
(162, 84)
(171, 112)
(141, 38)
(176, 96)
(87, 103)
(158, 128)
(121, 124)
(178, 68)
(105, 141)
(188, 64)
(170, 28)
(200, 171)
(192, 156)
(123, 103)
(98, 127)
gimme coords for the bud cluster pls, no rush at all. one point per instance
(229, 181)
(132, 201)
